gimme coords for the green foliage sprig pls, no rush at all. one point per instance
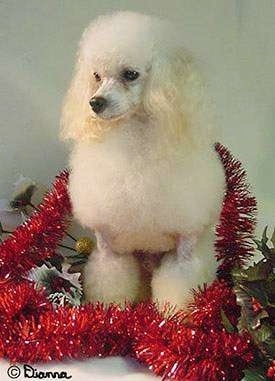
(255, 290)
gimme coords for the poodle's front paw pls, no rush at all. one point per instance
(192, 265)
(170, 288)
(111, 278)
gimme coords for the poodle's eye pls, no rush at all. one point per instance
(129, 75)
(97, 77)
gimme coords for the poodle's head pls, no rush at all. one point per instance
(131, 66)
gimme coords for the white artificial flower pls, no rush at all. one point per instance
(38, 274)
(10, 218)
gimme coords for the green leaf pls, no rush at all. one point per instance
(264, 235)
(272, 239)
(262, 245)
(257, 290)
(254, 374)
(270, 289)
(238, 274)
(259, 271)
(271, 346)
(247, 313)
(263, 334)
(77, 259)
(258, 243)
(226, 323)
(256, 323)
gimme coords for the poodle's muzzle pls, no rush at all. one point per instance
(115, 99)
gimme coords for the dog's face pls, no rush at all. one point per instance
(116, 89)
(130, 65)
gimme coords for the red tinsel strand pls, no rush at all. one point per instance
(237, 220)
(166, 345)
(22, 299)
(19, 301)
(87, 331)
(37, 238)
(178, 347)
(208, 302)
(175, 351)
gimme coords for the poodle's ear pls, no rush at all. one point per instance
(173, 90)
(75, 110)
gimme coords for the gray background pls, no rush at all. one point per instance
(233, 39)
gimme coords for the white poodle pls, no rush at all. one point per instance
(144, 172)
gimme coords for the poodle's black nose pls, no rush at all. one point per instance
(98, 104)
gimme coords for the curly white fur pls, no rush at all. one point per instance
(144, 173)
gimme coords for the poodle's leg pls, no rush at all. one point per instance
(111, 277)
(193, 264)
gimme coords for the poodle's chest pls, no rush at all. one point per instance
(133, 194)
(120, 183)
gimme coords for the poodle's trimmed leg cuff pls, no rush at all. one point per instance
(194, 264)
(111, 277)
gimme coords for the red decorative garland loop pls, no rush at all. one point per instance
(237, 220)
(192, 345)
(37, 238)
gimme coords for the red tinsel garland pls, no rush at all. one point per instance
(237, 219)
(191, 345)
(37, 238)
